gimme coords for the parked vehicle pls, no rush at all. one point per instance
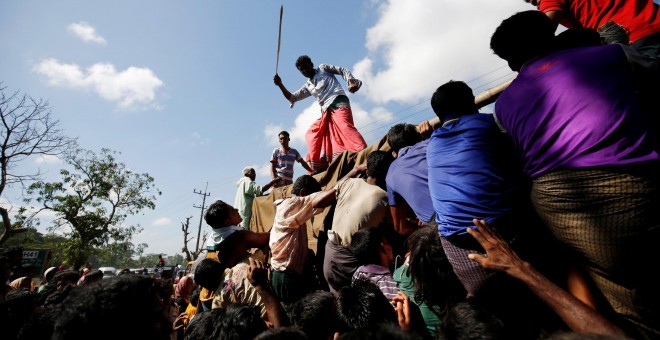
(108, 272)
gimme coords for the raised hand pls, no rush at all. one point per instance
(257, 274)
(401, 304)
(499, 255)
(354, 85)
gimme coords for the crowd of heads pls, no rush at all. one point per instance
(73, 304)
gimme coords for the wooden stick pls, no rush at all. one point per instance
(279, 39)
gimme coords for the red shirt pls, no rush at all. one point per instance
(640, 17)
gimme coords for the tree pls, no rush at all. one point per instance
(92, 201)
(176, 259)
(118, 254)
(190, 255)
(28, 129)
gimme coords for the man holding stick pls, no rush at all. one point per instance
(334, 131)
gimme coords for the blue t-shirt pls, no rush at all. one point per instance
(408, 179)
(468, 173)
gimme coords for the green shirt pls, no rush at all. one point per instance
(430, 314)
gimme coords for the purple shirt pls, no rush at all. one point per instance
(379, 275)
(576, 109)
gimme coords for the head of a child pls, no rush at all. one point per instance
(362, 304)
(220, 214)
(209, 274)
(315, 315)
(369, 246)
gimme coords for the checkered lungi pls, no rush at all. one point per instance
(609, 219)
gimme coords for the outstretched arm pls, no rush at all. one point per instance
(360, 168)
(305, 165)
(278, 81)
(499, 256)
(270, 184)
(258, 277)
(328, 196)
(353, 83)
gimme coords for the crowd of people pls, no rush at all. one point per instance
(531, 222)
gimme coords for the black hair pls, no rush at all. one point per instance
(217, 214)
(467, 321)
(429, 269)
(577, 37)
(131, 301)
(203, 325)
(194, 295)
(54, 296)
(283, 333)
(209, 274)
(284, 133)
(93, 276)
(522, 37)
(314, 314)
(453, 97)
(240, 321)
(362, 304)
(365, 245)
(378, 162)
(303, 59)
(68, 275)
(401, 135)
(383, 331)
(307, 182)
(40, 324)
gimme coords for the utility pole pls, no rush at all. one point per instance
(201, 214)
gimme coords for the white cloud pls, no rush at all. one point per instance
(270, 134)
(416, 46)
(86, 33)
(263, 172)
(302, 123)
(133, 88)
(161, 222)
(372, 124)
(197, 139)
(47, 159)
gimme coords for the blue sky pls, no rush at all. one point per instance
(184, 90)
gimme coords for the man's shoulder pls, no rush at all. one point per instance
(358, 186)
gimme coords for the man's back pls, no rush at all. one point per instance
(576, 109)
(408, 178)
(359, 205)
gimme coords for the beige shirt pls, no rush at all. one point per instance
(288, 237)
(359, 205)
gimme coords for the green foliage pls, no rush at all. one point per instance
(176, 259)
(91, 203)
